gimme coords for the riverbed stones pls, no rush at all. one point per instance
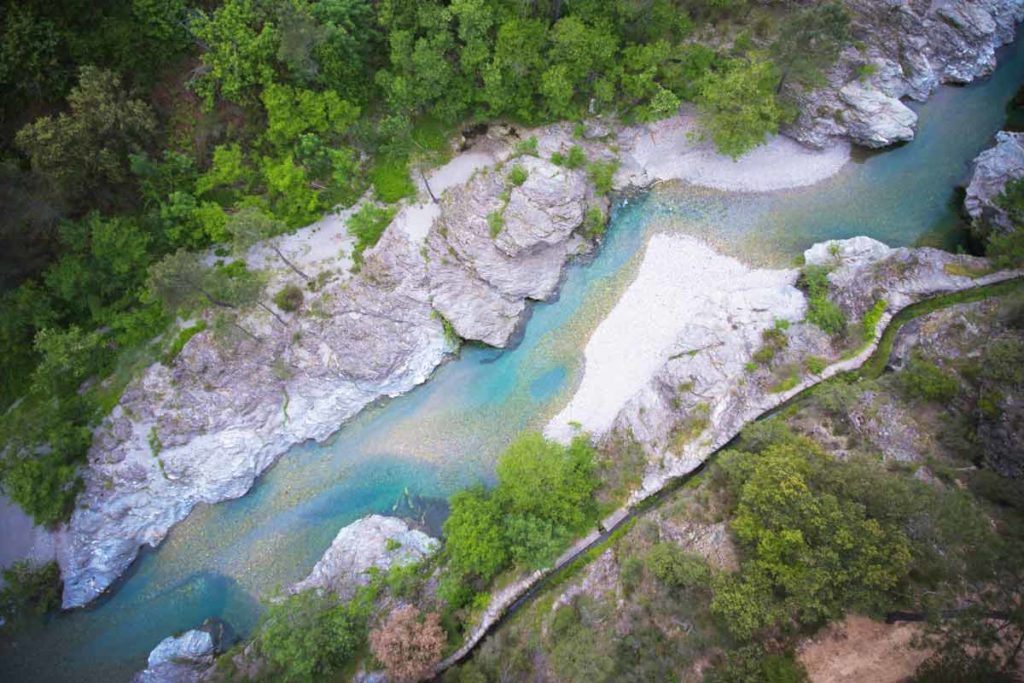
(372, 542)
(993, 168)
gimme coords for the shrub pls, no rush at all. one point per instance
(183, 338)
(594, 222)
(601, 174)
(311, 637)
(518, 175)
(545, 493)
(676, 568)
(558, 159)
(871, 320)
(752, 663)
(30, 589)
(527, 146)
(496, 222)
(409, 644)
(820, 309)
(289, 298)
(367, 225)
(815, 364)
(927, 381)
(391, 181)
(576, 157)
(631, 572)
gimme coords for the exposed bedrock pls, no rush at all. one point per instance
(371, 542)
(204, 428)
(993, 168)
(905, 49)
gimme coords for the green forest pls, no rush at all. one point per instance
(137, 134)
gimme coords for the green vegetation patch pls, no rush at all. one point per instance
(183, 337)
(391, 180)
(821, 311)
(367, 225)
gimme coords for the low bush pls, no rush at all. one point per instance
(289, 298)
(367, 225)
(179, 341)
(544, 495)
(391, 181)
(594, 222)
(601, 174)
(496, 222)
(527, 146)
(676, 568)
(518, 175)
(575, 158)
(927, 381)
(821, 311)
(308, 636)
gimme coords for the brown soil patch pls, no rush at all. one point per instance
(859, 649)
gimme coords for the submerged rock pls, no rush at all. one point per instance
(993, 168)
(371, 542)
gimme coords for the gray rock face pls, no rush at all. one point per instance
(992, 170)
(480, 282)
(912, 47)
(374, 541)
(875, 119)
(704, 394)
(205, 428)
(179, 659)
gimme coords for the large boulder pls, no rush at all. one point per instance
(874, 119)
(480, 279)
(993, 168)
(183, 658)
(371, 542)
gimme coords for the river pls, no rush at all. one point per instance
(446, 434)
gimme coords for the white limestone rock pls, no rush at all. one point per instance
(874, 119)
(993, 168)
(179, 659)
(374, 541)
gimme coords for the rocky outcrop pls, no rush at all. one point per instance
(905, 49)
(184, 658)
(205, 427)
(706, 384)
(992, 170)
(874, 119)
(498, 244)
(202, 429)
(371, 542)
(982, 345)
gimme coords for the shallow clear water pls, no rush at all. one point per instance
(446, 434)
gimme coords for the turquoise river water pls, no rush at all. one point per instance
(446, 434)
